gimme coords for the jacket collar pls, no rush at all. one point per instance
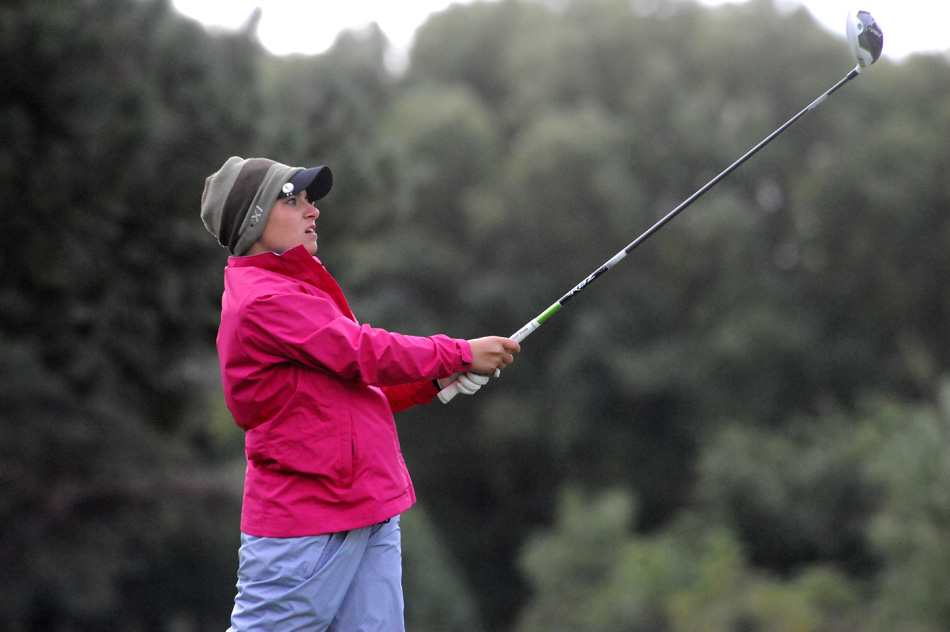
(290, 261)
(299, 264)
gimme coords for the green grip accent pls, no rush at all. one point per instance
(551, 311)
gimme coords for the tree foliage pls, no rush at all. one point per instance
(743, 427)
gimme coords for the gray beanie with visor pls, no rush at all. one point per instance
(238, 198)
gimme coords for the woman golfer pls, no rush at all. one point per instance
(315, 393)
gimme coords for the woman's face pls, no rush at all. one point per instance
(292, 222)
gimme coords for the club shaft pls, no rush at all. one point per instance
(449, 392)
(529, 327)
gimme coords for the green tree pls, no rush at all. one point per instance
(438, 598)
(795, 496)
(590, 572)
(907, 456)
(112, 114)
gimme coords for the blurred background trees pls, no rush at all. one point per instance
(746, 427)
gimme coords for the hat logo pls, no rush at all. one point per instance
(288, 188)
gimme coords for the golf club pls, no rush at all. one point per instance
(866, 42)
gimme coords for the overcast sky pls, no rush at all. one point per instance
(307, 26)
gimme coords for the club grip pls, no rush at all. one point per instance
(450, 391)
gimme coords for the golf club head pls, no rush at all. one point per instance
(865, 38)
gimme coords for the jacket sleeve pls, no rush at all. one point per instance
(405, 396)
(310, 330)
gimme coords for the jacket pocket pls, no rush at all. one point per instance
(307, 441)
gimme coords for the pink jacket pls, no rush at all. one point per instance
(315, 393)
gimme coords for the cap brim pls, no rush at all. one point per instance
(317, 181)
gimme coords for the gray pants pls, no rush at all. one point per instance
(338, 582)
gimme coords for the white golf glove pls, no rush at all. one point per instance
(468, 383)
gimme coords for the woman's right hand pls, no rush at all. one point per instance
(491, 353)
